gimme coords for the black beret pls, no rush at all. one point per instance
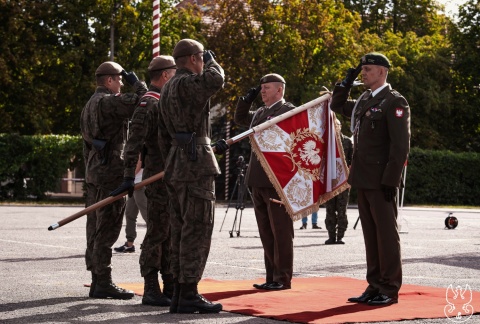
(187, 47)
(272, 77)
(109, 68)
(376, 59)
(162, 62)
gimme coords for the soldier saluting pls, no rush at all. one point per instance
(102, 124)
(190, 169)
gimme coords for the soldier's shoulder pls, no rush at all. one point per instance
(395, 93)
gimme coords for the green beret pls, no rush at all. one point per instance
(187, 47)
(376, 59)
(162, 62)
(109, 68)
(272, 77)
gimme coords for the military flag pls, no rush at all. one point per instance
(303, 158)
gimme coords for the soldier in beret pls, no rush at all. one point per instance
(274, 224)
(380, 123)
(143, 139)
(102, 123)
(190, 169)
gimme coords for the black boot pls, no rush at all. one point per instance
(105, 288)
(152, 294)
(176, 295)
(339, 238)
(315, 226)
(331, 238)
(168, 285)
(92, 285)
(191, 301)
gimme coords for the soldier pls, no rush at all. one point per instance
(102, 123)
(143, 138)
(274, 224)
(190, 169)
(381, 131)
(336, 220)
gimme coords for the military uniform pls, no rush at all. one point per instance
(103, 121)
(189, 175)
(381, 144)
(274, 224)
(336, 220)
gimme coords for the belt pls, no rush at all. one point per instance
(200, 141)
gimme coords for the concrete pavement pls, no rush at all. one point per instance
(43, 271)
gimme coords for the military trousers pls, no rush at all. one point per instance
(103, 228)
(155, 255)
(276, 233)
(192, 213)
(136, 203)
(382, 242)
(336, 213)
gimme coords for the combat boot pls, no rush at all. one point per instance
(191, 301)
(340, 237)
(175, 296)
(152, 294)
(105, 288)
(331, 238)
(92, 285)
(168, 285)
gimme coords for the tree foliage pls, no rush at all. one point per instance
(50, 50)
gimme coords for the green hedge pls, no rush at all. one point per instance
(433, 177)
(443, 177)
(32, 165)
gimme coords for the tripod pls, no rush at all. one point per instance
(241, 197)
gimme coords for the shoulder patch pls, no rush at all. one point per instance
(399, 112)
(118, 94)
(143, 104)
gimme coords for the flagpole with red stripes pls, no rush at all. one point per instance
(156, 28)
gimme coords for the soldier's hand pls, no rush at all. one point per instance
(220, 146)
(130, 77)
(352, 74)
(251, 95)
(389, 192)
(128, 184)
(208, 56)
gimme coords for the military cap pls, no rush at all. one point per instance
(162, 62)
(272, 77)
(376, 59)
(187, 47)
(109, 68)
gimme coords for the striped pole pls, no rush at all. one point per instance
(156, 28)
(227, 164)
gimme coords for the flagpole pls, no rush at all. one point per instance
(156, 28)
(160, 175)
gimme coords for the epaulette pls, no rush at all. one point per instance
(395, 93)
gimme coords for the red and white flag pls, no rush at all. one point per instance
(303, 158)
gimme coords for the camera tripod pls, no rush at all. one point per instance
(240, 203)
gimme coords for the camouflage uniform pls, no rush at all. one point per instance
(185, 108)
(143, 135)
(336, 217)
(104, 118)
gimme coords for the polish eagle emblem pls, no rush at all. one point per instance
(458, 308)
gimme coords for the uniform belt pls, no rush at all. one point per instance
(200, 141)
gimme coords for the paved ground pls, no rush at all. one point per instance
(43, 271)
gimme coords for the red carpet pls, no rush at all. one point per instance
(323, 300)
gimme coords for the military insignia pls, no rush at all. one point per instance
(143, 104)
(373, 109)
(398, 112)
(118, 94)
